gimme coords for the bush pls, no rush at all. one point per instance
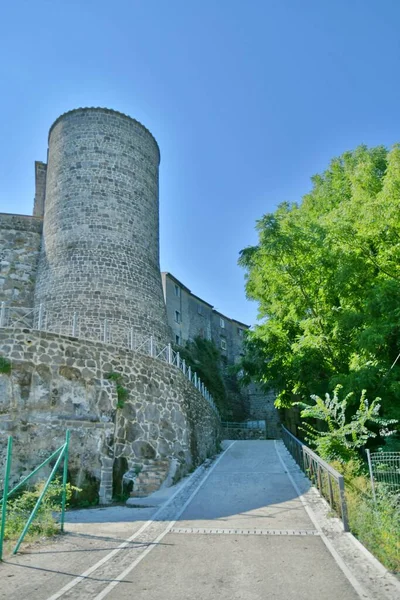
(45, 523)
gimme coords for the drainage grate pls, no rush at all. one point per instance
(244, 531)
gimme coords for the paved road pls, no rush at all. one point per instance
(236, 530)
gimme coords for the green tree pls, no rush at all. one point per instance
(326, 275)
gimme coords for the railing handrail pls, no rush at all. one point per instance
(306, 451)
(315, 456)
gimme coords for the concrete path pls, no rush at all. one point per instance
(235, 530)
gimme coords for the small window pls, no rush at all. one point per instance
(199, 309)
(240, 332)
(177, 291)
(223, 344)
(177, 316)
(178, 340)
(222, 323)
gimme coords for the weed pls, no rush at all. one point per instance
(122, 395)
(5, 365)
(122, 392)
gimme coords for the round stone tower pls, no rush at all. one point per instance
(99, 263)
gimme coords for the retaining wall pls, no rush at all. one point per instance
(163, 428)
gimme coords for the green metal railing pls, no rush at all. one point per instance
(61, 453)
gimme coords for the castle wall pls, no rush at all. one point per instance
(20, 238)
(164, 426)
(100, 255)
(40, 188)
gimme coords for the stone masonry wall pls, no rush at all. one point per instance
(261, 406)
(234, 433)
(20, 238)
(164, 428)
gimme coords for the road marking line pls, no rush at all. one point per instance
(170, 525)
(336, 556)
(108, 557)
(283, 532)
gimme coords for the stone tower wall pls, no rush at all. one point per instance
(100, 252)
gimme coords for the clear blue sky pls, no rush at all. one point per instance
(246, 99)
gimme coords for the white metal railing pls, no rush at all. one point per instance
(107, 331)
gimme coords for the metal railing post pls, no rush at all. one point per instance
(5, 495)
(178, 360)
(343, 505)
(169, 353)
(151, 346)
(64, 482)
(184, 366)
(74, 324)
(195, 379)
(3, 314)
(189, 373)
(371, 474)
(105, 331)
(40, 316)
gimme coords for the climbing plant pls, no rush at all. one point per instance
(122, 392)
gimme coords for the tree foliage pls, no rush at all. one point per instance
(342, 437)
(326, 275)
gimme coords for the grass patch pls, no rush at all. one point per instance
(376, 525)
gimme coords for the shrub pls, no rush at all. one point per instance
(342, 437)
(45, 523)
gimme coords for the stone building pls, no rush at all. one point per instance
(190, 316)
(81, 300)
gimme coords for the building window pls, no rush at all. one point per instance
(222, 323)
(177, 291)
(223, 344)
(177, 316)
(178, 340)
(240, 332)
(199, 309)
